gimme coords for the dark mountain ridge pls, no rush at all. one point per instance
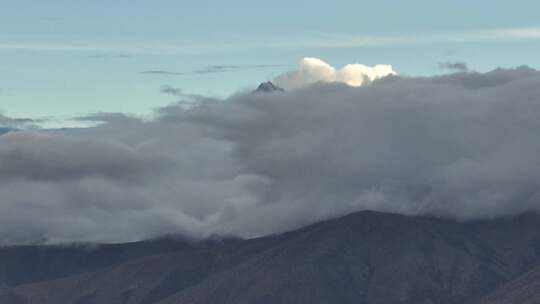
(33, 263)
(365, 257)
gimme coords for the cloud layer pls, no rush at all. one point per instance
(463, 145)
(313, 70)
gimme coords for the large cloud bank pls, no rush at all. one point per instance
(315, 70)
(463, 145)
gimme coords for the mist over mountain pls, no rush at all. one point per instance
(458, 146)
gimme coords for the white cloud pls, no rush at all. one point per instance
(313, 70)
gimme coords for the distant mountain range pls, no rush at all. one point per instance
(365, 257)
(4, 130)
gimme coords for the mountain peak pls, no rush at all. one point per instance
(267, 87)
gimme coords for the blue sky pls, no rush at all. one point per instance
(65, 58)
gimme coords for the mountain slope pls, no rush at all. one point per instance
(28, 264)
(365, 257)
(523, 290)
(374, 258)
(145, 280)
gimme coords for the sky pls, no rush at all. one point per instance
(62, 58)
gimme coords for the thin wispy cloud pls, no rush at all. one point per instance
(170, 90)
(162, 72)
(231, 68)
(470, 36)
(298, 40)
(213, 69)
(456, 66)
(110, 55)
(54, 47)
(126, 49)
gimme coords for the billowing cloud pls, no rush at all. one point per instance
(312, 70)
(50, 157)
(461, 146)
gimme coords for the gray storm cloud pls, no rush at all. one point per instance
(462, 145)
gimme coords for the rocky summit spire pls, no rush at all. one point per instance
(268, 87)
